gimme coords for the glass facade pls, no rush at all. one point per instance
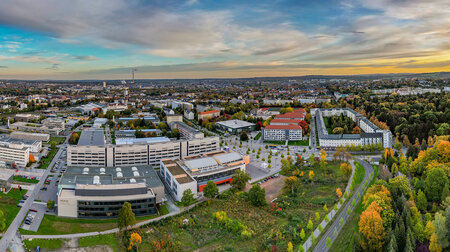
(104, 209)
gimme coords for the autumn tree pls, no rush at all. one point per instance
(31, 159)
(291, 184)
(434, 245)
(346, 169)
(239, 180)
(371, 229)
(356, 130)
(338, 192)
(135, 240)
(311, 176)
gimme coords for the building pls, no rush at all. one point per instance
(152, 119)
(174, 118)
(208, 114)
(5, 180)
(285, 121)
(291, 115)
(14, 153)
(101, 192)
(370, 134)
(194, 172)
(26, 117)
(30, 136)
(132, 133)
(135, 151)
(189, 115)
(187, 131)
(46, 128)
(235, 126)
(282, 132)
(34, 145)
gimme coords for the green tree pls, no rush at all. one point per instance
(50, 204)
(441, 230)
(188, 198)
(239, 180)
(53, 144)
(421, 201)
(257, 195)
(310, 225)
(210, 191)
(434, 184)
(244, 136)
(302, 234)
(126, 217)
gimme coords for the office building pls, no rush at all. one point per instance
(235, 126)
(132, 133)
(187, 131)
(100, 192)
(30, 136)
(14, 153)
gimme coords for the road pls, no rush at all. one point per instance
(321, 245)
(12, 229)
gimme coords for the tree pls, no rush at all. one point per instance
(244, 136)
(291, 184)
(126, 217)
(400, 183)
(356, 130)
(317, 216)
(421, 201)
(290, 247)
(31, 159)
(429, 230)
(346, 169)
(338, 192)
(310, 225)
(328, 243)
(188, 198)
(135, 240)
(73, 139)
(311, 175)
(444, 129)
(338, 130)
(50, 204)
(210, 191)
(441, 230)
(302, 234)
(239, 180)
(371, 229)
(434, 184)
(434, 245)
(257, 195)
(52, 144)
(311, 159)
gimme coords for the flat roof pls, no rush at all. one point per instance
(283, 127)
(147, 140)
(177, 171)
(18, 141)
(92, 137)
(75, 175)
(235, 124)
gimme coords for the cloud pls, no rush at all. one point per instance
(445, 63)
(53, 67)
(88, 58)
(30, 59)
(3, 67)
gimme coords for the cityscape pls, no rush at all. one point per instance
(224, 126)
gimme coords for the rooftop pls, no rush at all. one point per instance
(147, 140)
(235, 124)
(291, 115)
(209, 112)
(278, 120)
(92, 137)
(177, 171)
(283, 127)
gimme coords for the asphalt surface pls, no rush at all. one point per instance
(321, 245)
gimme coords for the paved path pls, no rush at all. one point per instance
(115, 230)
(330, 232)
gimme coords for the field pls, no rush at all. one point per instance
(275, 142)
(25, 180)
(45, 161)
(299, 143)
(258, 136)
(271, 225)
(92, 241)
(8, 204)
(58, 140)
(43, 243)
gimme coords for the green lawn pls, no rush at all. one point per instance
(25, 180)
(108, 239)
(258, 136)
(299, 143)
(43, 243)
(275, 142)
(58, 140)
(345, 239)
(8, 204)
(45, 161)
(268, 225)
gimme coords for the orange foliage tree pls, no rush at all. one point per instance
(135, 240)
(32, 159)
(371, 228)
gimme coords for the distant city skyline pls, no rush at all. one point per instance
(105, 39)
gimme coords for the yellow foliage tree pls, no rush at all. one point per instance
(339, 192)
(135, 240)
(290, 247)
(311, 175)
(371, 229)
(434, 245)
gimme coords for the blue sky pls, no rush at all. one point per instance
(104, 39)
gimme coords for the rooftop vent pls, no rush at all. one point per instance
(118, 169)
(119, 175)
(134, 168)
(97, 180)
(136, 174)
(102, 170)
(132, 180)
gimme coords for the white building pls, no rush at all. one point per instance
(16, 153)
(282, 132)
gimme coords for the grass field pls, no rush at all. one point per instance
(8, 204)
(45, 161)
(345, 239)
(270, 226)
(58, 140)
(299, 143)
(258, 136)
(25, 180)
(43, 243)
(92, 241)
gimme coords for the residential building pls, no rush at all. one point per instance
(187, 131)
(189, 115)
(289, 132)
(30, 136)
(208, 114)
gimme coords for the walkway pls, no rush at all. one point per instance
(330, 232)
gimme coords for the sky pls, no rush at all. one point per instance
(105, 39)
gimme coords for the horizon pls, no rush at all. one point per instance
(201, 39)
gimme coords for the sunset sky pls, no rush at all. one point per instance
(104, 39)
